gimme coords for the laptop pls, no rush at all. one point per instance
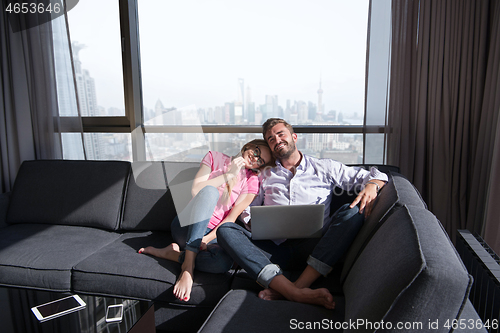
(293, 221)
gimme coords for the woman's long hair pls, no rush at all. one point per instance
(249, 145)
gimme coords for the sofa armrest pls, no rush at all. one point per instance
(4, 205)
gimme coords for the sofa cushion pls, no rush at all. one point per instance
(408, 272)
(180, 176)
(84, 193)
(154, 192)
(148, 203)
(244, 311)
(119, 270)
(42, 256)
(398, 191)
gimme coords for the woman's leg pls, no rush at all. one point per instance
(213, 260)
(195, 218)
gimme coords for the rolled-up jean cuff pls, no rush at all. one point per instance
(192, 248)
(267, 274)
(320, 266)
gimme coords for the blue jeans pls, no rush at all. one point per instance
(196, 217)
(264, 259)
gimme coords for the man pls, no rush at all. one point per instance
(301, 179)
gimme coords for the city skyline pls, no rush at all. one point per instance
(243, 110)
(192, 146)
(280, 48)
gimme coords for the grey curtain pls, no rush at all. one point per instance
(29, 115)
(489, 144)
(28, 109)
(443, 109)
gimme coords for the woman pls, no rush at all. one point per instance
(223, 187)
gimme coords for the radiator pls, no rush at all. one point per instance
(484, 266)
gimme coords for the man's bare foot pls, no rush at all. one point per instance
(270, 294)
(182, 288)
(170, 252)
(302, 295)
(314, 296)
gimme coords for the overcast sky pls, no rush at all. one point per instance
(193, 52)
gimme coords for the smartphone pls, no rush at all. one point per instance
(114, 313)
(58, 308)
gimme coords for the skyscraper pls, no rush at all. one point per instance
(271, 106)
(239, 105)
(249, 115)
(85, 84)
(319, 112)
(87, 100)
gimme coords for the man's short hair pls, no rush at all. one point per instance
(271, 122)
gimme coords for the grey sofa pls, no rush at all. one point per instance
(76, 226)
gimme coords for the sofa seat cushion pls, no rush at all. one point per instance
(119, 270)
(408, 272)
(41, 256)
(244, 311)
(83, 193)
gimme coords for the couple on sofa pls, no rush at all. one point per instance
(225, 186)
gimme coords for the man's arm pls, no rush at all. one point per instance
(367, 196)
(349, 178)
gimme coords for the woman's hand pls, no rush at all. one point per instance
(236, 165)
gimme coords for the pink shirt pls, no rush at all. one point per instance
(248, 182)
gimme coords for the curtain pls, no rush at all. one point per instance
(490, 128)
(442, 124)
(29, 112)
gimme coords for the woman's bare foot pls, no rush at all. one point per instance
(170, 252)
(182, 288)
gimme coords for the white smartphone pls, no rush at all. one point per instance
(58, 308)
(114, 313)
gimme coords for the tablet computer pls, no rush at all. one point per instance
(58, 308)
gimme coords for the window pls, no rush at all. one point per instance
(96, 47)
(201, 75)
(238, 63)
(98, 146)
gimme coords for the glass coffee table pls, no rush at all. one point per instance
(16, 315)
